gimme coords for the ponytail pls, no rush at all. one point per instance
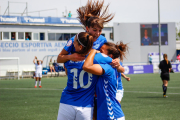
(118, 50)
(165, 58)
(122, 48)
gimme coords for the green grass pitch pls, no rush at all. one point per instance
(143, 99)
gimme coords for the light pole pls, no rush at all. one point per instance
(159, 32)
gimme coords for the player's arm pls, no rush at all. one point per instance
(160, 65)
(170, 66)
(116, 64)
(64, 57)
(89, 67)
(34, 59)
(124, 76)
(41, 61)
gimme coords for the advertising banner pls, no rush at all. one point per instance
(38, 20)
(27, 50)
(176, 67)
(138, 69)
(10, 19)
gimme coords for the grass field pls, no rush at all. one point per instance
(142, 100)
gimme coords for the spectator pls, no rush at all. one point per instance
(55, 63)
(13, 36)
(27, 38)
(178, 57)
(55, 66)
(171, 60)
(51, 67)
(69, 14)
(150, 59)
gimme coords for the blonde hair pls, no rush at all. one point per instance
(91, 16)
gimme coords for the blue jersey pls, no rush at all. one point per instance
(96, 45)
(146, 41)
(108, 107)
(101, 58)
(119, 80)
(80, 86)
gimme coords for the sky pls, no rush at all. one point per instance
(126, 11)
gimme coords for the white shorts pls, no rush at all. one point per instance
(70, 112)
(38, 75)
(119, 94)
(122, 118)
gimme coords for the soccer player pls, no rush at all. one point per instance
(165, 67)
(107, 105)
(123, 50)
(77, 98)
(38, 72)
(92, 20)
(120, 89)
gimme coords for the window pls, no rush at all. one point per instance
(13, 35)
(27, 35)
(20, 35)
(5, 35)
(35, 36)
(42, 36)
(0, 35)
(73, 34)
(51, 36)
(111, 36)
(59, 36)
(66, 36)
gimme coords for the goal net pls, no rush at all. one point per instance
(9, 67)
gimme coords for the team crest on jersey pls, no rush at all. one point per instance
(69, 43)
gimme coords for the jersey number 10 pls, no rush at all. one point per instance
(75, 82)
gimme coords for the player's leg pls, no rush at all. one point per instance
(36, 80)
(84, 113)
(51, 69)
(54, 69)
(165, 84)
(40, 76)
(165, 79)
(66, 112)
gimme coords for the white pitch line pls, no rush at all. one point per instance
(62, 89)
(29, 89)
(149, 92)
(153, 87)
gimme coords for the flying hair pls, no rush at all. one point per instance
(92, 15)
